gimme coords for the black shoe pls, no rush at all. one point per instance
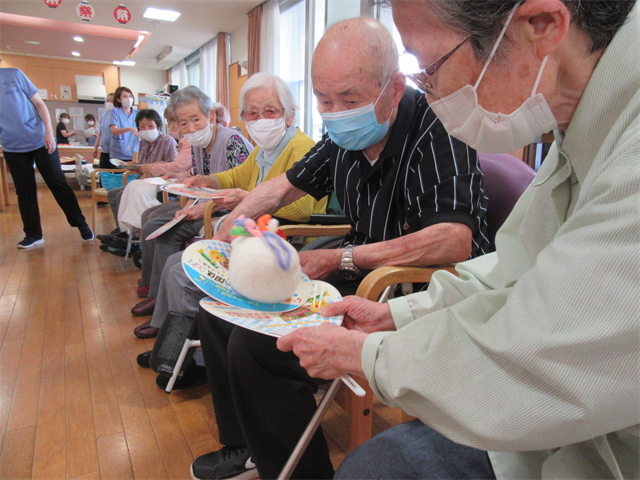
(228, 462)
(86, 233)
(143, 359)
(30, 242)
(103, 204)
(118, 251)
(193, 376)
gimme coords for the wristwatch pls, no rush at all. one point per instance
(348, 270)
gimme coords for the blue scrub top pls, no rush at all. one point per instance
(105, 132)
(21, 129)
(123, 146)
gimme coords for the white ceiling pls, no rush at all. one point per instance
(200, 21)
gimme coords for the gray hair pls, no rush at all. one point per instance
(382, 50)
(222, 113)
(265, 80)
(482, 20)
(188, 95)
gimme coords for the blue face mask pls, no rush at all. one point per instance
(356, 129)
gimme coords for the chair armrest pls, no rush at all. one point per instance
(375, 282)
(96, 171)
(125, 177)
(208, 227)
(328, 219)
(305, 230)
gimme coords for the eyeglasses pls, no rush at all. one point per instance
(269, 113)
(423, 77)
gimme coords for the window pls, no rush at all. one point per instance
(292, 49)
(192, 62)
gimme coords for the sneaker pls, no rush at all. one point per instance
(228, 462)
(86, 233)
(30, 242)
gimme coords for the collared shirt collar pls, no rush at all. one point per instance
(612, 85)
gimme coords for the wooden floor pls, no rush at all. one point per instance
(73, 402)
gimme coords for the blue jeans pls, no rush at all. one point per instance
(414, 450)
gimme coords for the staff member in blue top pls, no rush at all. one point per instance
(125, 141)
(26, 136)
(103, 139)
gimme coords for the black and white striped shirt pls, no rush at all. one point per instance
(422, 177)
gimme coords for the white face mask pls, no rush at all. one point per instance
(267, 132)
(149, 135)
(490, 132)
(126, 102)
(90, 122)
(65, 121)
(200, 138)
(108, 105)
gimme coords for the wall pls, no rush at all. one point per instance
(50, 74)
(142, 80)
(240, 43)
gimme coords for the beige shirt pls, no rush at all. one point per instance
(533, 353)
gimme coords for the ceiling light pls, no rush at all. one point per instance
(140, 38)
(128, 63)
(78, 39)
(75, 54)
(158, 14)
(32, 42)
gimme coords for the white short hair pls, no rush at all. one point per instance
(265, 80)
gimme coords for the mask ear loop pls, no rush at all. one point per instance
(376, 102)
(495, 45)
(535, 86)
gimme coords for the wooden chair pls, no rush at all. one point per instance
(100, 194)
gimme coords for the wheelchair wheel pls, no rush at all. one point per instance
(323, 242)
(137, 258)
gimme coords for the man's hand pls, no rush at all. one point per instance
(319, 264)
(95, 152)
(193, 213)
(327, 351)
(362, 315)
(230, 198)
(50, 142)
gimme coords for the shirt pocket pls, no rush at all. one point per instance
(12, 93)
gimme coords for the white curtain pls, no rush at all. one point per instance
(208, 63)
(179, 74)
(269, 37)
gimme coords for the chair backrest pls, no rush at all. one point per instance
(505, 178)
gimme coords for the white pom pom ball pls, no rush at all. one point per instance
(254, 270)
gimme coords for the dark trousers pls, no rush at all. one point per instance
(105, 162)
(262, 397)
(24, 179)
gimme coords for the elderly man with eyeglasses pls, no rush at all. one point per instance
(527, 365)
(413, 196)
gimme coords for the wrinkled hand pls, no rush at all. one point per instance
(327, 351)
(196, 181)
(194, 213)
(319, 264)
(50, 142)
(176, 176)
(145, 169)
(361, 315)
(230, 198)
